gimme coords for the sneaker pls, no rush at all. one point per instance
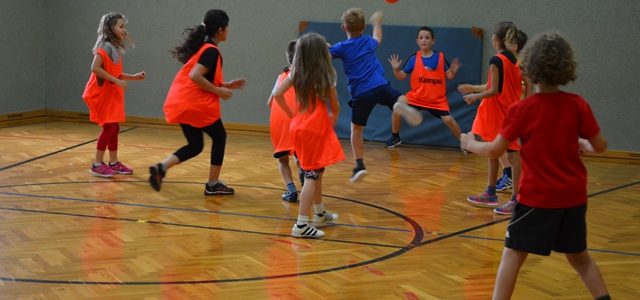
(102, 170)
(358, 174)
(306, 231)
(393, 142)
(484, 200)
(504, 183)
(289, 196)
(219, 188)
(155, 176)
(323, 219)
(410, 114)
(120, 168)
(506, 208)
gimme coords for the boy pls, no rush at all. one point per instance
(366, 82)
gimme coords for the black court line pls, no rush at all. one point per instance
(590, 249)
(184, 225)
(463, 231)
(55, 152)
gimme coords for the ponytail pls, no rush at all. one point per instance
(195, 37)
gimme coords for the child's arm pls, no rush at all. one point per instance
(376, 21)
(395, 62)
(197, 75)
(491, 91)
(96, 67)
(235, 84)
(453, 69)
(335, 105)
(279, 96)
(137, 76)
(597, 143)
(466, 88)
(490, 149)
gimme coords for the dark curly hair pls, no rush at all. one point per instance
(214, 19)
(549, 60)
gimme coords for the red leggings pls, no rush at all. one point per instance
(108, 137)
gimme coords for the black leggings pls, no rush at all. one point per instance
(196, 143)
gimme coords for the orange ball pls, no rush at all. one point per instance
(391, 1)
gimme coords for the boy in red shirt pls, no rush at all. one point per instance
(552, 203)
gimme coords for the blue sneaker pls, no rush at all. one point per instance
(289, 196)
(504, 183)
(393, 142)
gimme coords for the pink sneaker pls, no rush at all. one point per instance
(484, 200)
(506, 208)
(102, 170)
(120, 168)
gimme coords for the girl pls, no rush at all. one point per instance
(429, 71)
(504, 88)
(279, 124)
(104, 92)
(193, 100)
(314, 140)
(551, 209)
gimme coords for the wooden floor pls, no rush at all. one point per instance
(405, 232)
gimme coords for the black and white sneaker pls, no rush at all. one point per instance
(324, 219)
(219, 188)
(358, 173)
(306, 231)
(156, 174)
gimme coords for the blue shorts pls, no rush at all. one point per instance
(363, 104)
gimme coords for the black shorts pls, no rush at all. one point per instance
(434, 112)
(281, 154)
(362, 105)
(540, 230)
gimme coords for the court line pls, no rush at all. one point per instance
(55, 152)
(184, 225)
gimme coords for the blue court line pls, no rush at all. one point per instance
(185, 225)
(590, 249)
(187, 209)
(55, 152)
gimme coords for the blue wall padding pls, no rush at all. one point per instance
(454, 42)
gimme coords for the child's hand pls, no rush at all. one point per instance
(139, 75)
(376, 18)
(465, 88)
(395, 61)
(470, 98)
(237, 83)
(122, 83)
(224, 93)
(455, 65)
(465, 140)
(585, 146)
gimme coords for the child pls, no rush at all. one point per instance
(510, 176)
(104, 92)
(314, 140)
(193, 100)
(279, 124)
(367, 83)
(504, 87)
(551, 208)
(428, 84)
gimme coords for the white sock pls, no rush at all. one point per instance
(319, 208)
(302, 220)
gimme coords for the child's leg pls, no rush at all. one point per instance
(453, 125)
(504, 161)
(310, 189)
(514, 161)
(285, 169)
(113, 143)
(589, 273)
(508, 271)
(357, 142)
(106, 135)
(492, 174)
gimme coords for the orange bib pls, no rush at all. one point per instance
(104, 98)
(428, 87)
(279, 122)
(186, 102)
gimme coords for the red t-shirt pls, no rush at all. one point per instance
(548, 125)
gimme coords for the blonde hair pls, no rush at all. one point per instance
(105, 32)
(353, 20)
(312, 72)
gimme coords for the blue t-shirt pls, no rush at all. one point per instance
(430, 62)
(364, 71)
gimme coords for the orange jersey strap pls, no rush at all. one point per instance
(428, 87)
(186, 102)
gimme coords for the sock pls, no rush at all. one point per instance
(291, 187)
(97, 164)
(302, 220)
(395, 135)
(605, 297)
(506, 172)
(360, 163)
(163, 167)
(113, 163)
(212, 183)
(491, 190)
(319, 208)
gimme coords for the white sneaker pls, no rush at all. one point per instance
(307, 231)
(321, 220)
(412, 115)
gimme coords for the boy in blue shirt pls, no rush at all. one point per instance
(366, 82)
